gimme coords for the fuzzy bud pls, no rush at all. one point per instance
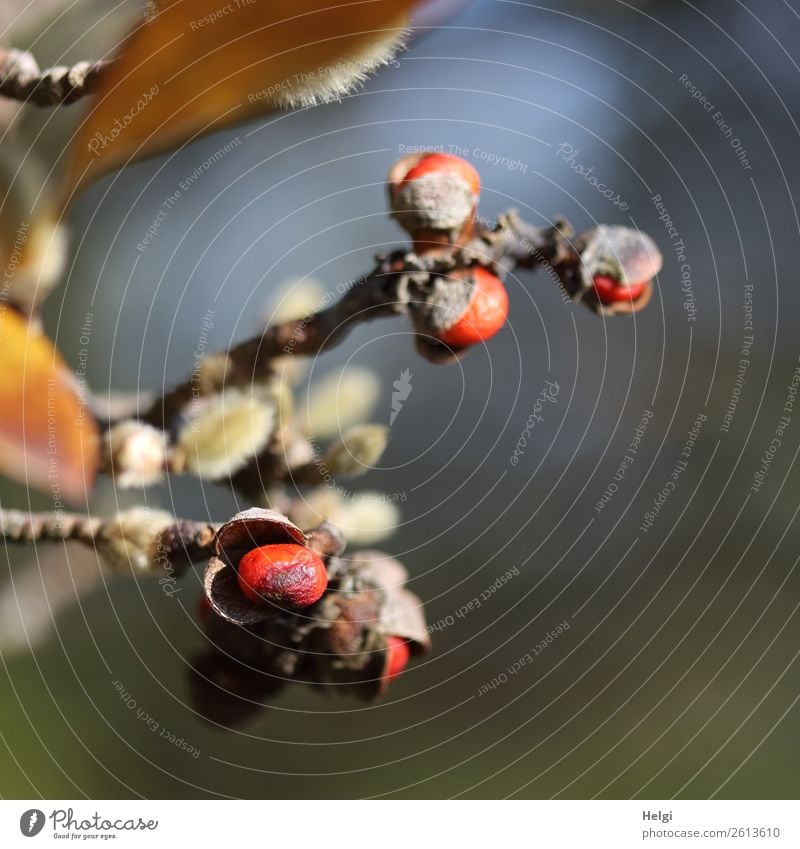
(228, 430)
(132, 540)
(296, 298)
(338, 400)
(363, 518)
(367, 518)
(321, 504)
(358, 450)
(135, 453)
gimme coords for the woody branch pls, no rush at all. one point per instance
(384, 292)
(21, 79)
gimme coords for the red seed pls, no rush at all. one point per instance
(286, 575)
(611, 291)
(399, 654)
(444, 165)
(485, 315)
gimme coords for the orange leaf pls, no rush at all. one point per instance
(48, 439)
(200, 65)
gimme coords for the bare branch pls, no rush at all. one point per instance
(21, 79)
(18, 526)
(147, 540)
(404, 282)
(384, 292)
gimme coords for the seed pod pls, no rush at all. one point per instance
(453, 312)
(618, 265)
(433, 196)
(352, 618)
(352, 639)
(247, 531)
(402, 613)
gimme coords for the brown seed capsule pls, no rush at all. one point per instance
(618, 267)
(453, 311)
(246, 531)
(433, 197)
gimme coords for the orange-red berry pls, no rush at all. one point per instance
(485, 314)
(444, 165)
(433, 197)
(286, 575)
(610, 291)
(399, 654)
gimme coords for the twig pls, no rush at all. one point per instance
(18, 526)
(21, 79)
(150, 541)
(404, 282)
(384, 292)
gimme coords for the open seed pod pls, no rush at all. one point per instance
(401, 612)
(622, 254)
(327, 540)
(344, 646)
(435, 305)
(354, 647)
(245, 531)
(437, 206)
(352, 619)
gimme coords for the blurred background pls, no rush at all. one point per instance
(677, 674)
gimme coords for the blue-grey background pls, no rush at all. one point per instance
(678, 673)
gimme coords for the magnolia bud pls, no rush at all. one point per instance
(358, 450)
(296, 298)
(339, 400)
(228, 430)
(367, 518)
(135, 453)
(132, 540)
